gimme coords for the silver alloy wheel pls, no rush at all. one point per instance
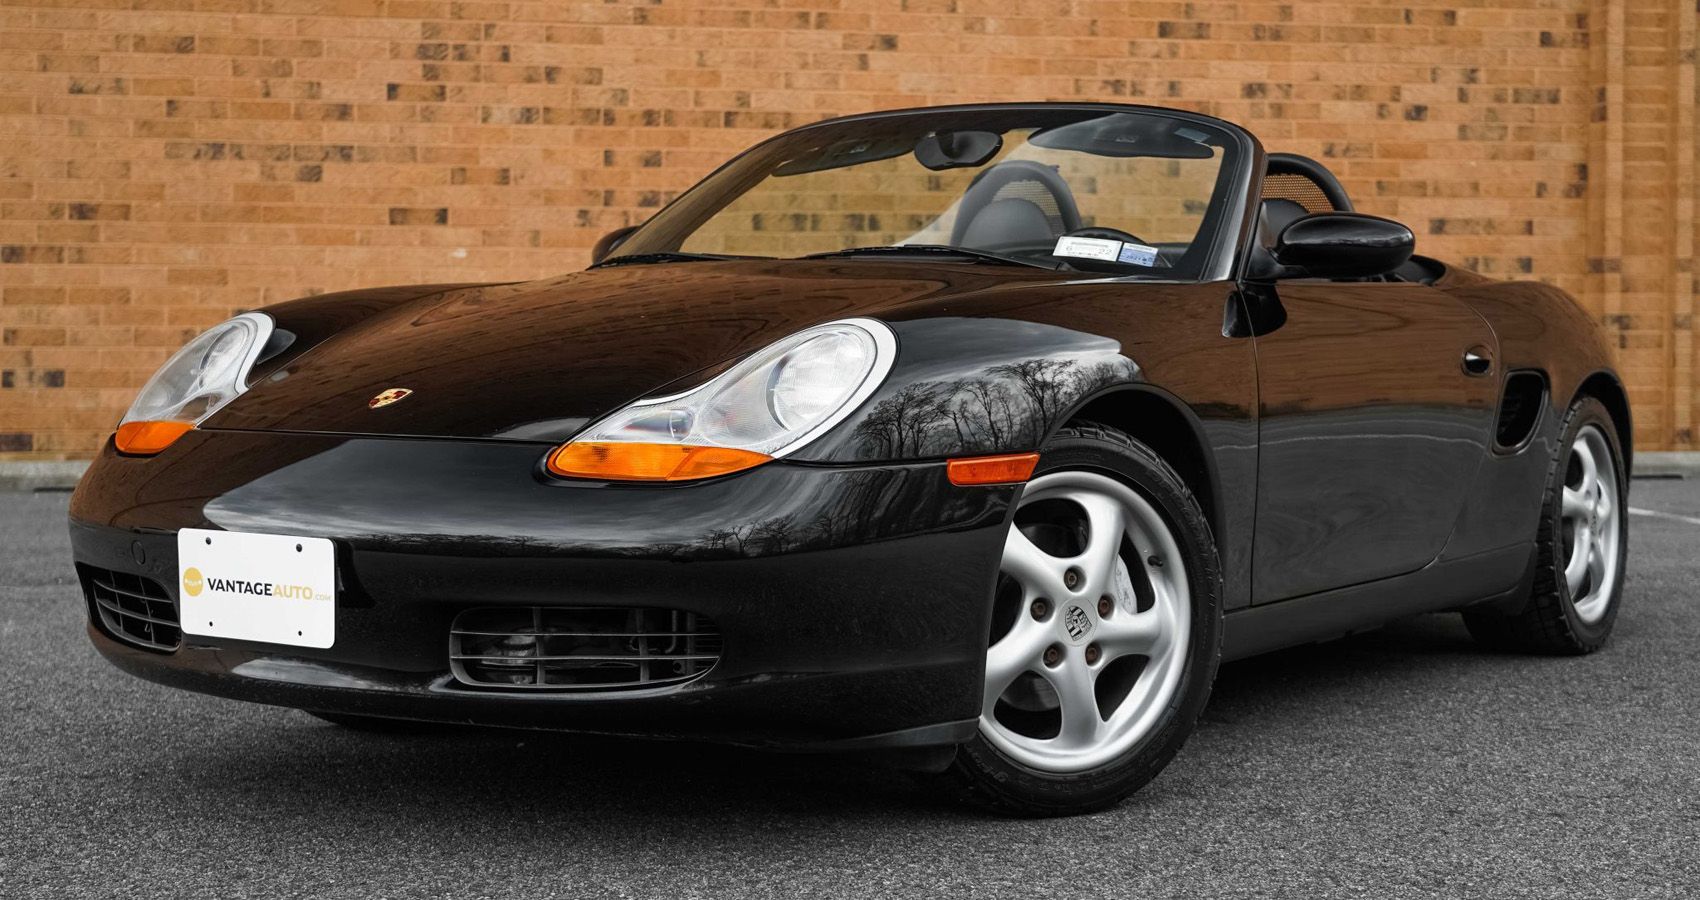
(1592, 520)
(1114, 665)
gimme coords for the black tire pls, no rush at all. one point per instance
(1548, 622)
(987, 777)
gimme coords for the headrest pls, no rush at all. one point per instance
(1278, 213)
(1010, 222)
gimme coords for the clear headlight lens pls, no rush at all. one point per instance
(772, 403)
(194, 383)
(813, 380)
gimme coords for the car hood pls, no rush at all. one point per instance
(540, 360)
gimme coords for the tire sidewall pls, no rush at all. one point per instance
(1140, 468)
(1584, 412)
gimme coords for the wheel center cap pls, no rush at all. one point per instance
(1076, 624)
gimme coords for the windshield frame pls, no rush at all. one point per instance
(1217, 242)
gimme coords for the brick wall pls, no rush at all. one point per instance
(166, 162)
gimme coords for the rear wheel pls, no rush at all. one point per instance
(1106, 631)
(1581, 547)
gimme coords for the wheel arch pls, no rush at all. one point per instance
(1161, 421)
(1603, 385)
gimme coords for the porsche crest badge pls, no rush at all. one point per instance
(390, 395)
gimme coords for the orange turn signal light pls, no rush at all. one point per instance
(1010, 468)
(148, 438)
(617, 461)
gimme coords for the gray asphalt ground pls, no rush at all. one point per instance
(1399, 763)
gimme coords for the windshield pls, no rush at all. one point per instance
(1136, 193)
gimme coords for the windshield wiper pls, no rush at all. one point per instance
(639, 259)
(939, 249)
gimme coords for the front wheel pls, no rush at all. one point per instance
(1106, 631)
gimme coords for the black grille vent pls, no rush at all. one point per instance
(581, 648)
(1519, 409)
(131, 608)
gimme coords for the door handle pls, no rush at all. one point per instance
(1477, 362)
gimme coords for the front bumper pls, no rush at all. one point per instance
(853, 601)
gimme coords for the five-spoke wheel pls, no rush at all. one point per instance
(1592, 523)
(1093, 593)
(1105, 632)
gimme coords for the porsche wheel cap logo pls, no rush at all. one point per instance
(1077, 623)
(392, 395)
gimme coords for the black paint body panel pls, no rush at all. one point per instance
(539, 360)
(1371, 432)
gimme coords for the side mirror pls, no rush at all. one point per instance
(1342, 245)
(610, 242)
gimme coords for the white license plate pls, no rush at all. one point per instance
(269, 588)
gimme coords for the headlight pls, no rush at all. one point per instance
(775, 401)
(207, 373)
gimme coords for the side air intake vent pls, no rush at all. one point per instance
(131, 608)
(1520, 409)
(581, 648)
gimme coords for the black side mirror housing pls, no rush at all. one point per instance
(1342, 245)
(609, 243)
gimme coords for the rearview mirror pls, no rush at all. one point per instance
(957, 149)
(609, 243)
(1343, 245)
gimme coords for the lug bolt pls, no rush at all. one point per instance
(1092, 654)
(1071, 579)
(1053, 655)
(1041, 609)
(1103, 607)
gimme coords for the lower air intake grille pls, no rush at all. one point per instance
(581, 648)
(131, 608)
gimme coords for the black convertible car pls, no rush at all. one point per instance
(974, 435)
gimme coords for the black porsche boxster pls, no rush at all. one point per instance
(976, 435)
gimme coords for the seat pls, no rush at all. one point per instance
(1010, 222)
(1015, 204)
(1278, 213)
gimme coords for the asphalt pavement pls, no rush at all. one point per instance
(1400, 763)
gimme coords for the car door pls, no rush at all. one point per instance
(1376, 406)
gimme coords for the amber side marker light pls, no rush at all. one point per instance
(619, 461)
(148, 438)
(1012, 468)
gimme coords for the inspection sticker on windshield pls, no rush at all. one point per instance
(1105, 249)
(1138, 254)
(1087, 248)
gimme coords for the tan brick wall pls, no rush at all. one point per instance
(166, 162)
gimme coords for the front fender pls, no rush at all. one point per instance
(1159, 362)
(975, 386)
